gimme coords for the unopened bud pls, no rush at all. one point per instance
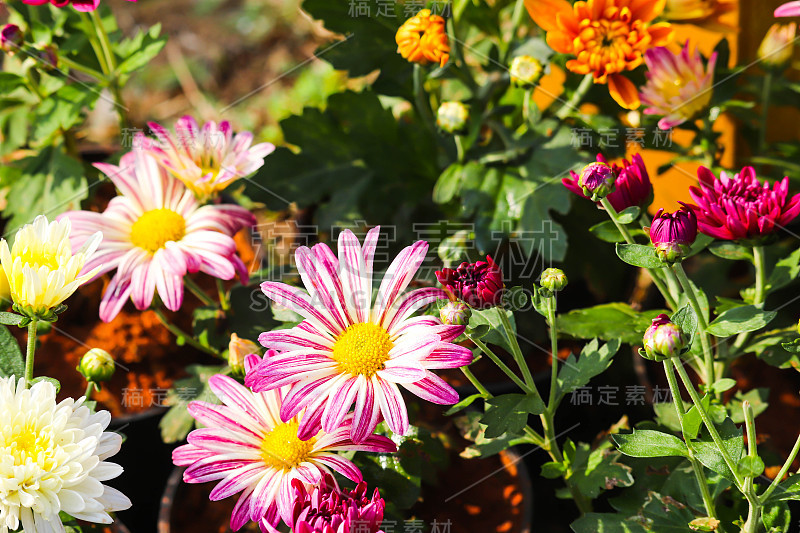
(455, 314)
(525, 70)
(597, 181)
(663, 339)
(238, 349)
(452, 117)
(96, 365)
(11, 38)
(553, 279)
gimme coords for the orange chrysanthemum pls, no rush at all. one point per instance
(423, 39)
(607, 37)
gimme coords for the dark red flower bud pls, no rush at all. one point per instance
(479, 285)
(673, 233)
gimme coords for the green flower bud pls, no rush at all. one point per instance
(525, 70)
(455, 314)
(452, 117)
(238, 349)
(97, 365)
(553, 279)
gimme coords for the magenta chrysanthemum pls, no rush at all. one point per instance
(350, 350)
(479, 284)
(741, 207)
(632, 186)
(155, 233)
(678, 86)
(207, 159)
(330, 510)
(250, 449)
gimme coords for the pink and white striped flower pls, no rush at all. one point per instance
(249, 449)
(207, 160)
(349, 350)
(155, 233)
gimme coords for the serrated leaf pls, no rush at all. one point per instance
(509, 413)
(597, 470)
(649, 443)
(739, 320)
(606, 523)
(708, 454)
(594, 360)
(607, 321)
(786, 270)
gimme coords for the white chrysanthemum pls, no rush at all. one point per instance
(52, 459)
(41, 268)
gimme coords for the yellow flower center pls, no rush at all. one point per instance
(39, 258)
(156, 228)
(362, 349)
(28, 444)
(209, 168)
(282, 449)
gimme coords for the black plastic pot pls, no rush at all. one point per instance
(147, 463)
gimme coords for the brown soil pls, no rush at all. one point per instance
(494, 504)
(148, 361)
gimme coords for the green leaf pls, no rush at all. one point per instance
(11, 360)
(722, 385)
(595, 471)
(53, 381)
(10, 81)
(553, 470)
(471, 428)
(607, 231)
(786, 270)
(708, 454)
(50, 183)
(686, 319)
(739, 320)
(751, 466)
(607, 321)
(594, 360)
(606, 523)
(628, 215)
(11, 319)
(489, 318)
(777, 517)
(449, 183)
(756, 397)
(140, 49)
(649, 443)
(788, 489)
(731, 251)
(509, 413)
(639, 255)
(463, 404)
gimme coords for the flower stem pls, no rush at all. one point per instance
(180, 334)
(526, 107)
(105, 55)
(712, 429)
(576, 98)
(702, 325)
(421, 98)
(759, 262)
(224, 303)
(500, 364)
(90, 387)
(766, 90)
(195, 289)
(459, 148)
(31, 348)
(515, 349)
(551, 319)
(697, 467)
(623, 230)
(74, 65)
(784, 469)
(484, 392)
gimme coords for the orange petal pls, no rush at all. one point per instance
(647, 10)
(623, 91)
(559, 41)
(661, 33)
(543, 12)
